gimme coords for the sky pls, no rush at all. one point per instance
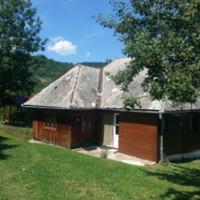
(74, 35)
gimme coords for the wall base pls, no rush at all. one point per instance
(190, 155)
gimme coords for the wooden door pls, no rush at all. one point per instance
(76, 130)
(82, 128)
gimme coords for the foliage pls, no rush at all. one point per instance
(131, 102)
(164, 37)
(38, 171)
(104, 152)
(19, 38)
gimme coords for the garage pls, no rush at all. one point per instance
(138, 135)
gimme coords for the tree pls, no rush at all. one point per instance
(19, 39)
(164, 37)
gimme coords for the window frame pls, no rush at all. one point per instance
(115, 124)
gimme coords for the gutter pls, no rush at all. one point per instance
(183, 111)
(131, 111)
(54, 107)
(89, 108)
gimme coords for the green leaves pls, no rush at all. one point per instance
(164, 37)
(131, 102)
(19, 38)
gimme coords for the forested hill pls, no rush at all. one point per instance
(95, 64)
(50, 70)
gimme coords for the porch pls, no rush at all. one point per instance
(112, 154)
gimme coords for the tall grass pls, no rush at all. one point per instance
(17, 131)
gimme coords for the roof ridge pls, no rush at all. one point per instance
(75, 84)
(99, 89)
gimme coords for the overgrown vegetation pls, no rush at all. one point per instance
(131, 102)
(36, 171)
(104, 152)
(24, 132)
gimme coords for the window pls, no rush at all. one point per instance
(116, 123)
(195, 123)
(50, 123)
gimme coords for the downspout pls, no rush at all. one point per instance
(162, 125)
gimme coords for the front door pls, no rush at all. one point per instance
(116, 131)
(82, 128)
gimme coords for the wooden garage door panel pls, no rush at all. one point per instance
(137, 143)
(138, 139)
(138, 127)
(146, 143)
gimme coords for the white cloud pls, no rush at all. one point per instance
(61, 46)
(88, 54)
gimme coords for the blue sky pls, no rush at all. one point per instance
(74, 35)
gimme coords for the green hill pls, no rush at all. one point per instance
(95, 64)
(48, 71)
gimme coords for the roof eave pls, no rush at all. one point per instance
(89, 108)
(182, 111)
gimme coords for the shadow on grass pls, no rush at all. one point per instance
(4, 146)
(182, 177)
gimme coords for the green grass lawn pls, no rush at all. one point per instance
(38, 171)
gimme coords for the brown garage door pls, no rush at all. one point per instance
(138, 135)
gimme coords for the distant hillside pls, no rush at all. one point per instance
(95, 64)
(50, 70)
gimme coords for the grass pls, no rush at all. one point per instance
(38, 171)
(24, 133)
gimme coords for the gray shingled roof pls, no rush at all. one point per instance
(88, 88)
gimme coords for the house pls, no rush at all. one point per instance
(13, 113)
(85, 107)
